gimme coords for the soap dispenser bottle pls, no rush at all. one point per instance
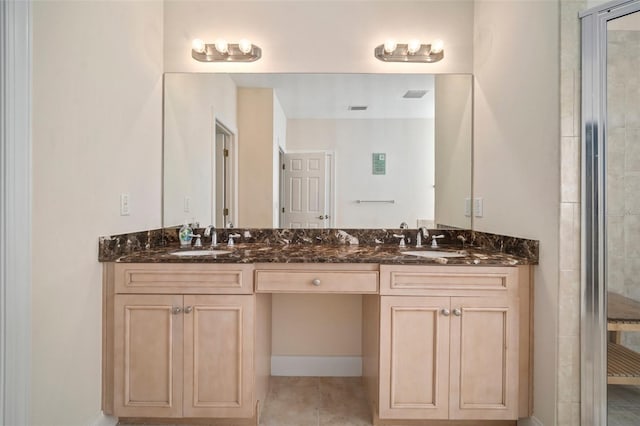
(185, 235)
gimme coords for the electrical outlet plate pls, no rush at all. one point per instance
(124, 204)
(187, 204)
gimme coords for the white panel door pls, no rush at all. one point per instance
(305, 183)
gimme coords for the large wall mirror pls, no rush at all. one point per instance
(317, 150)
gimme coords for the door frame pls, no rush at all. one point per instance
(15, 211)
(218, 121)
(593, 327)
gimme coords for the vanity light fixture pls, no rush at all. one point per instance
(221, 51)
(414, 51)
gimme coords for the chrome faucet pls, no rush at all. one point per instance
(230, 243)
(402, 243)
(211, 231)
(434, 240)
(423, 232)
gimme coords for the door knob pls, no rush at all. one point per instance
(176, 310)
(457, 312)
(188, 309)
(316, 282)
(445, 312)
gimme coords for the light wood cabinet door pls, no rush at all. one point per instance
(484, 358)
(414, 357)
(147, 356)
(218, 356)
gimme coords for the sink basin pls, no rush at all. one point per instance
(433, 254)
(189, 253)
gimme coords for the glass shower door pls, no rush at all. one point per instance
(622, 219)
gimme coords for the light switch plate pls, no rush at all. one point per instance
(478, 207)
(467, 207)
(187, 204)
(124, 204)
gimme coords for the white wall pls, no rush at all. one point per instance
(319, 36)
(516, 153)
(192, 103)
(97, 96)
(453, 148)
(279, 141)
(409, 174)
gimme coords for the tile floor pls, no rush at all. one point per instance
(316, 401)
(313, 401)
(623, 405)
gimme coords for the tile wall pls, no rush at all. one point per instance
(569, 233)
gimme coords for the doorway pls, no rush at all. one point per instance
(610, 327)
(224, 212)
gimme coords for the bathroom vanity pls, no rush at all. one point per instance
(443, 339)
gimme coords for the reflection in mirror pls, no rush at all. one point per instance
(622, 219)
(317, 150)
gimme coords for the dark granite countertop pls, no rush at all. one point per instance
(323, 253)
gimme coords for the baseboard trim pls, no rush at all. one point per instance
(320, 366)
(530, 421)
(104, 420)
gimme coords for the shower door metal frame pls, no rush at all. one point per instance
(593, 329)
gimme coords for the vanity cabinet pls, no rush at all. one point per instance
(449, 343)
(181, 355)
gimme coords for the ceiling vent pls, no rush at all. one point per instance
(358, 107)
(415, 94)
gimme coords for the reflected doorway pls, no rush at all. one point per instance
(224, 185)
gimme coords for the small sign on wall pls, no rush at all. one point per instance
(379, 163)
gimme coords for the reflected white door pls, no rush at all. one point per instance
(305, 191)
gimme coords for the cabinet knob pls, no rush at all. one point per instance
(457, 312)
(445, 312)
(176, 310)
(316, 282)
(188, 309)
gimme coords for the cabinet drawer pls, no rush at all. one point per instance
(316, 281)
(446, 280)
(183, 278)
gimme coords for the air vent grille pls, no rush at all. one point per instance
(358, 107)
(415, 94)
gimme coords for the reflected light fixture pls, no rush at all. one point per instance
(414, 51)
(221, 51)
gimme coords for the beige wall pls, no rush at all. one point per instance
(319, 36)
(317, 324)
(516, 154)
(453, 135)
(97, 96)
(255, 143)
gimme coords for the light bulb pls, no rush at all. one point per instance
(221, 45)
(198, 45)
(245, 46)
(390, 45)
(413, 46)
(437, 46)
